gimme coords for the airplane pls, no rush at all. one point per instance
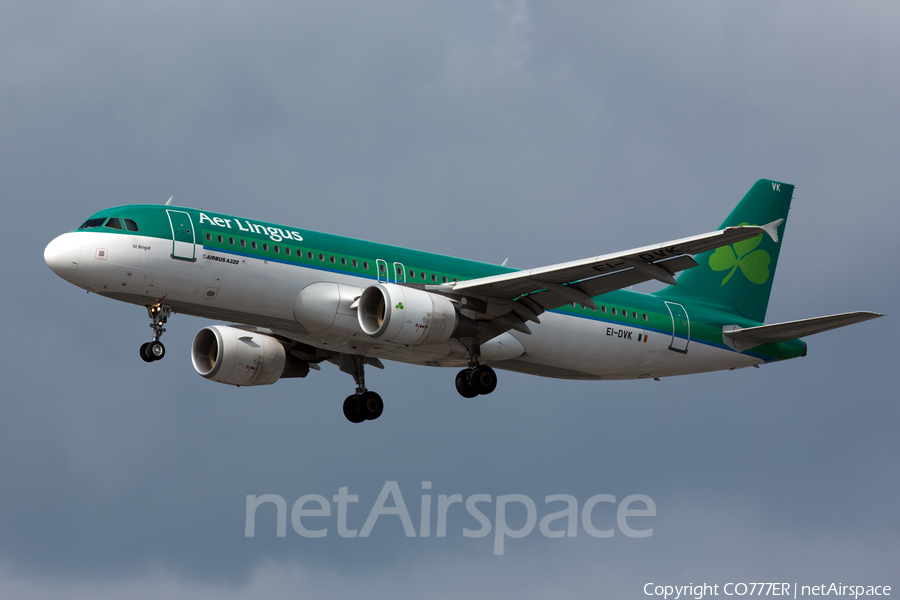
(297, 298)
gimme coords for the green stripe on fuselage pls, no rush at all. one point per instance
(706, 324)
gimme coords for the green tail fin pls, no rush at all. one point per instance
(738, 278)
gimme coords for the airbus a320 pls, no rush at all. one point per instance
(296, 298)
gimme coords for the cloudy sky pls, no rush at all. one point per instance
(538, 132)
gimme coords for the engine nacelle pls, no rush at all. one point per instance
(238, 357)
(324, 306)
(403, 315)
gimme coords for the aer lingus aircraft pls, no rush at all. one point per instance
(297, 298)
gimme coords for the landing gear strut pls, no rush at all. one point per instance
(477, 379)
(154, 350)
(363, 405)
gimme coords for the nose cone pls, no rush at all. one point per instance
(63, 254)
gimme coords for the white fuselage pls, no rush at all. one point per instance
(264, 293)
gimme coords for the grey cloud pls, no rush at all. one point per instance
(535, 132)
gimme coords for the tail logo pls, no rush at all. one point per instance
(754, 263)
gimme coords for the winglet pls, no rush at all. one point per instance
(169, 201)
(772, 229)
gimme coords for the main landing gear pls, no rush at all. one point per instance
(154, 350)
(363, 405)
(475, 381)
(478, 379)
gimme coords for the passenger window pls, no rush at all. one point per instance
(277, 249)
(422, 274)
(114, 223)
(614, 310)
(434, 277)
(634, 315)
(231, 241)
(645, 316)
(91, 223)
(343, 261)
(321, 257)
(208, 237)
(331, 258)
(309, 255)
(265, 247)
(253, 244)
(443, 279)
(219, 238)
(243, 243)
(287, 250)
(354, 263)
(130, 225)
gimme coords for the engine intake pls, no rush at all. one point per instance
(237, 357)
(403, 315)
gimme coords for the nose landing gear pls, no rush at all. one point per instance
(154, 350)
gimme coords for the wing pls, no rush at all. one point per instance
(511, 299)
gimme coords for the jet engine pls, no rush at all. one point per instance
(404, 315)
(238, 357)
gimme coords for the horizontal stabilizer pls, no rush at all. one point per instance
(792, 330)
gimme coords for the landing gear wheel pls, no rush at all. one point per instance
(369, 405)
(350, 410)
(155, 350)
(159, 314)
(483, 379)
(144, 354)
(462, 385)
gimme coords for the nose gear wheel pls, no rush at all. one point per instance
(154, 350)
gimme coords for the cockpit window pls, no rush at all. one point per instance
(91, 223)
(130, 225)
(114, 223)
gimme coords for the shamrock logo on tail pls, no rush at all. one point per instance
(753, 263)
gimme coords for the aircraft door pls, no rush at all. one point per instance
(183, 239)
(681, 328)
(381, 270)
(399, 273)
